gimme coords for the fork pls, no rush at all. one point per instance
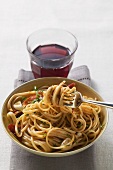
(76, 99)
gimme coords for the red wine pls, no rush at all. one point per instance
(51, 61)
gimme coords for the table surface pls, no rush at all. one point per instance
(91, 22)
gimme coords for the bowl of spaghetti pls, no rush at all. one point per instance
(34, 117)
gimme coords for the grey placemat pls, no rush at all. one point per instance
(23, 160)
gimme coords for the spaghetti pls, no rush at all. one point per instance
(40, 121)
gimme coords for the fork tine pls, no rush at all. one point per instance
(68, 102)
(68, 98)
(71, 105)
(71, 99)
(69, 94)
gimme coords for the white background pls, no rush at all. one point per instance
(91, 21)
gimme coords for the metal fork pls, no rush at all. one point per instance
(75, 100)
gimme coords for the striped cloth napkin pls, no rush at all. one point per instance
(80, 73)
(23, 160)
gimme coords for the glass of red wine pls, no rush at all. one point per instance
(51, 52)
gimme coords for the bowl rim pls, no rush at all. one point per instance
(67, 153)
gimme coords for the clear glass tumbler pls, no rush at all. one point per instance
(51, 52)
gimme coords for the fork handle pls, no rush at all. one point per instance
(106, 104)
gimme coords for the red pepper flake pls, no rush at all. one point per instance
(11, 127)
(40, 93)
(29, 100)
(71, 85)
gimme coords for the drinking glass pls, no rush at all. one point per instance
(51, 52)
